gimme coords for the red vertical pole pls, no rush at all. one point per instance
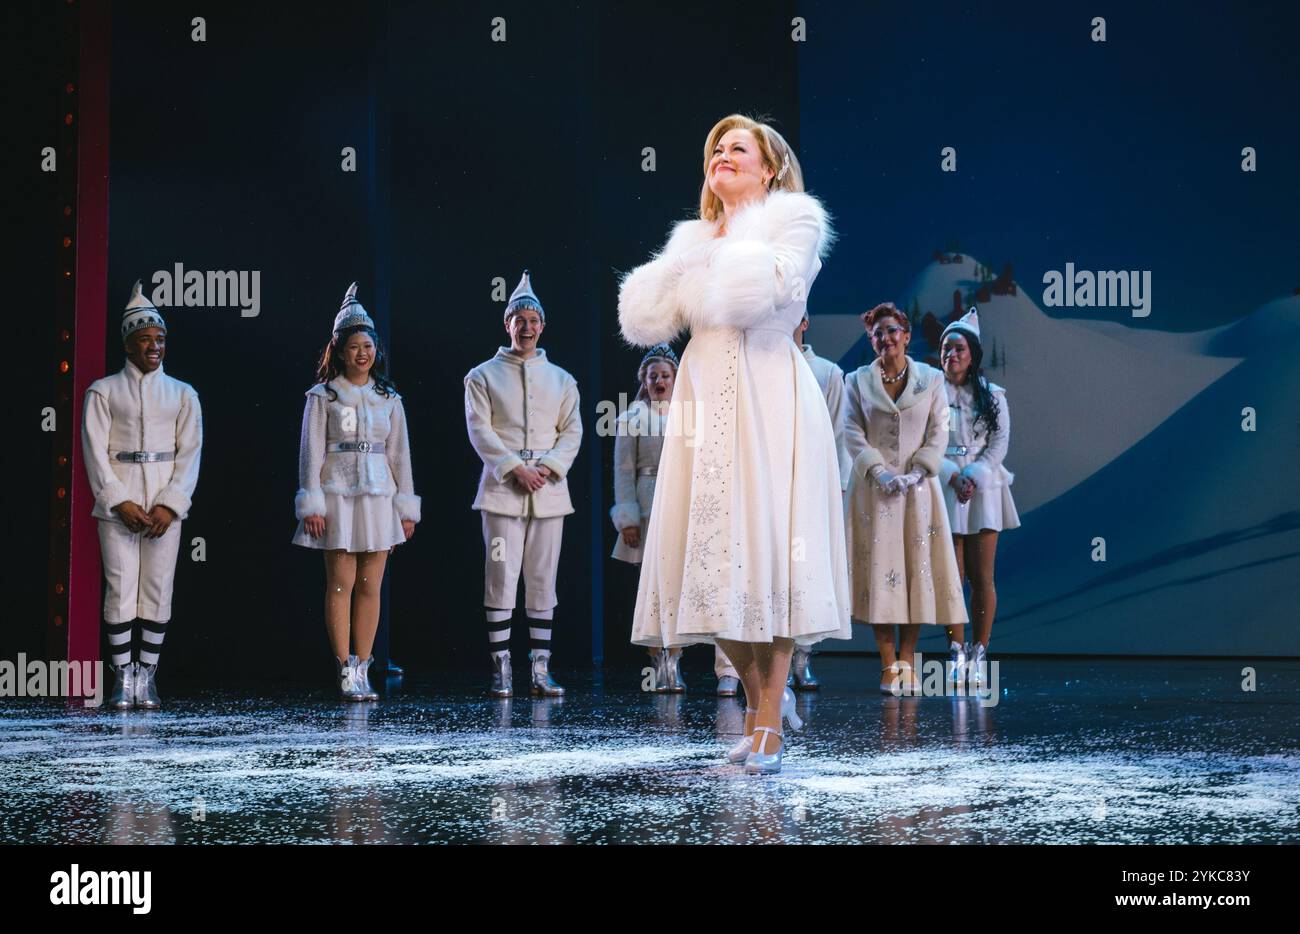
(91, 315)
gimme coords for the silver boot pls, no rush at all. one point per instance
(123, 696)
(542, 682)
(801, 672)
(361, 677)
(660, 668)
(957, 660)
(502, 677)
(978, 664)
(347, 678)
(146, 694)
(673, 667)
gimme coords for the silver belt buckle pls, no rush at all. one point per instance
(526, 453)
(363, 447)
(957, 450)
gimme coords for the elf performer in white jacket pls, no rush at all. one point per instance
(976, 483)
(831, 379)
(356, 496)
(523, 418)
(745, 548)
(141, 434)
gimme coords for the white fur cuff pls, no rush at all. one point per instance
(625, 514)
(407, 506)
(175, 500)
(741, 292)
(979, 473)
(308, 503)
(647, 308)
(113, 493)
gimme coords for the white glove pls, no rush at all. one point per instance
(888, 482)
(911, 478)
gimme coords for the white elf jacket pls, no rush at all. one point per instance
(904, 567)
(357, 414)
(133, 411)
(515, 405)
(637, 446)
(991, 506)
(831, 379)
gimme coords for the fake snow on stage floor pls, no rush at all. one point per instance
(1133, 434)
(1096, 752)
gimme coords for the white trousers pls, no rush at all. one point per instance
(520, 543)
(139, 572)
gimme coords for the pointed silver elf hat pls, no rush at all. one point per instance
(524, 297)
(969, 322)
(351, 313)
(140, 313)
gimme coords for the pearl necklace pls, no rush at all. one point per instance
(892, 379)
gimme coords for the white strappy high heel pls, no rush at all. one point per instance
(739, 752)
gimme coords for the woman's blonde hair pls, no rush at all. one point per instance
(771, 146)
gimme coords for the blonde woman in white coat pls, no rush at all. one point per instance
(745, 545)
(903, 567)
(976, 483)
(356, 497)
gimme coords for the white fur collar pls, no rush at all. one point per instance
(758, 220)
(699, 280)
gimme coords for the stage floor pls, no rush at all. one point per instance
(1073, 752)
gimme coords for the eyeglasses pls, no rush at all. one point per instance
(879, 333)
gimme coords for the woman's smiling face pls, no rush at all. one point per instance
(359, 353)
(736, 169)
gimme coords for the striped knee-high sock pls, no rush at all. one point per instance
(498, 624)
(119, 643)
(152, 634)
(539, 630)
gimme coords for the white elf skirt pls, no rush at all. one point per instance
(368, 522)
(990, 508)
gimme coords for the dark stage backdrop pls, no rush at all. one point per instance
(475, 160)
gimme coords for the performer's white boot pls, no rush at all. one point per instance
(123, 696)
(801, 675)
(502, 677)
(361, 679)
(347, 678)
(542, 682)
(146, 693)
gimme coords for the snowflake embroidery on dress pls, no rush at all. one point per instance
(886, 512)
(892, 578)
(710, 469)
(780, 604)
(700, 550)
(750, 609)
(706, 508)
(702, 597)
(796, 599)
(654, 607)
(932, 530)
